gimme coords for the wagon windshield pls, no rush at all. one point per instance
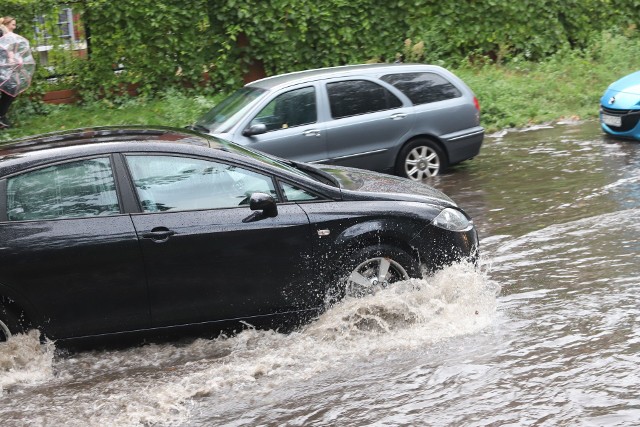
(227, 112)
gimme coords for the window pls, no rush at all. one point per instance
(215, 119)
(67, 28)
(290, 109)
(65, 23)
(70, 190)
(165, 183)
(353, 97)
(297, 194)
(423, 88)
(61, 30)
(40, 32)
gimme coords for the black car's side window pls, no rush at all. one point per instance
(423, 88)
(290, 109)
(296, 194)
(169, 183)
(354, 97)
(70, 190)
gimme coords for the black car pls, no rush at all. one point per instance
(111, 230)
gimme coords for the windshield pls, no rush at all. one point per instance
(262, 157)
(216, 119)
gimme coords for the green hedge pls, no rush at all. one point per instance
(170, 43)
(502, 30)
(157, 43)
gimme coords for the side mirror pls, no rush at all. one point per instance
(256, 129)
(265, 203)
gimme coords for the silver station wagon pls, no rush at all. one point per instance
(412, 120)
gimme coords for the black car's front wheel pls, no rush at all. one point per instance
(421, 159)
(376, 267)
(9, 324)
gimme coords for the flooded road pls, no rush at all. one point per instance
(545, 333)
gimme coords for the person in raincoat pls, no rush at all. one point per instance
(16, 66)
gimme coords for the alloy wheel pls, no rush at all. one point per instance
(422, 162)
(5, 333)
(374, 274)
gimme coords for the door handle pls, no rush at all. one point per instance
(398, 116)
(312, 132)
(159, 234)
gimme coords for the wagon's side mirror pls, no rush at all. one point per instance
(264, 205)
(256, 129)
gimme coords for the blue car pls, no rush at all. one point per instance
(620, 107)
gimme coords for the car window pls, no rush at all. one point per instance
(353, 97)
(290, 109)
(70, 190)
(167, 183)
(296, 194)
(215, 118)
(423, 88)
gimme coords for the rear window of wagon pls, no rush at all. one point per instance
(423, 88)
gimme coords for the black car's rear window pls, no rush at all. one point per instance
(423, 88)
(75, 189)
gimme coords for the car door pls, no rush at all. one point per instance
(369, 124)
(207, 257)
(291, 126)
(68, 249)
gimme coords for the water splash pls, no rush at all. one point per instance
(24, 360)
(456, 300)
(159, 383)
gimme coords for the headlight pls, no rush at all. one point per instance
(452, 220)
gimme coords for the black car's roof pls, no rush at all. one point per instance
(95, 135)
(47, 147)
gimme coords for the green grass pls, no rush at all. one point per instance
(566, 86)
(520, 93)
(170, 109)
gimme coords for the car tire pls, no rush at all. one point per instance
(374, 268)
(9, 324)
(421, 158)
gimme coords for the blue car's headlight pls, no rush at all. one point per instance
(452, 220)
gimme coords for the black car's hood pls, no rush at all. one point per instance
(384, 186)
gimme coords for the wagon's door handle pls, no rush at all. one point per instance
(398, 116)
(311, 132)
(159, 234)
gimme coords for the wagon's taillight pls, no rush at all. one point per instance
(476, 103)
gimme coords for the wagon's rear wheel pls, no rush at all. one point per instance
(421, 159)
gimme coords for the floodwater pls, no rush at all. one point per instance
(545, 333)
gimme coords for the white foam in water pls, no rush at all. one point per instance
(455, 301)
(610, 188)
(23, 360)
(157, 383)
